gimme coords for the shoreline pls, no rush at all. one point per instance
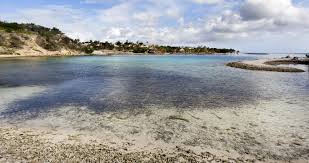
(115, 54)
(273, 65)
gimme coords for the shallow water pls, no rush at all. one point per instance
(136, 82)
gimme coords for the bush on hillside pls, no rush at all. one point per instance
(2, 40)
(10, 27)
(139, 50)
(47, 44)
(87, 50)
(16, 42)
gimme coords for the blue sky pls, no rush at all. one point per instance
(247, 25)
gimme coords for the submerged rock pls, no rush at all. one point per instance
(270, 65)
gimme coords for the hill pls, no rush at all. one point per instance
(36, 40)
(31, 39)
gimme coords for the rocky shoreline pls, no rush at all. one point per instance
(270, 65)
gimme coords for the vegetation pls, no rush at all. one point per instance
(140, 47)
(2, 39)
(15, 42)
(53, 39)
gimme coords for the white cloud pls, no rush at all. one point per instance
(282, 12)
(100, 1)
(172, 22)
(119, 14)
(208, 1)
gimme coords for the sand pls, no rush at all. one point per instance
(275, 131)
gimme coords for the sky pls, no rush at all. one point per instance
(247, 25)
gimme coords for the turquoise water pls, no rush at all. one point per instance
(136, 82)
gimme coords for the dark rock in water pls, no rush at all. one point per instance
(263, 68)
(295, 60)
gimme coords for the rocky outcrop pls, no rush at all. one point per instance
(270, 65)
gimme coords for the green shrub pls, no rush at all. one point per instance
(140, 50)
(88, 50)
(2, 40)
(47, 44)
(8, 30)
(16, 42)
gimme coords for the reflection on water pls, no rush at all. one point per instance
(134, 82)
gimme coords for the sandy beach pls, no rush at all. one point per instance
(264, 132)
